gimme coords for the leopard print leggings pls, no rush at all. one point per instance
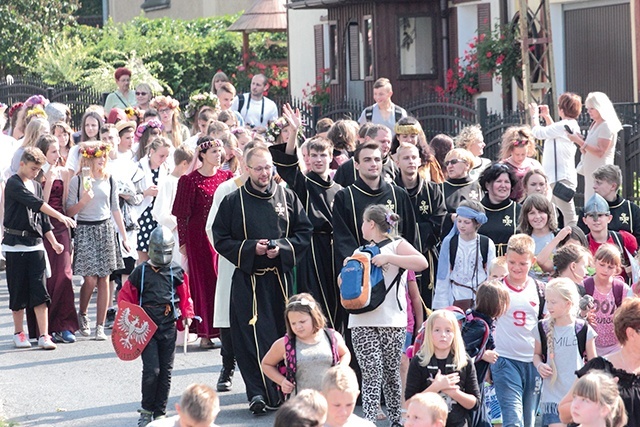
(378, 351)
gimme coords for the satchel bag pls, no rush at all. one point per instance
(560, 190)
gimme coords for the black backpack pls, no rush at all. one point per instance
(581, 334)
(368, 113)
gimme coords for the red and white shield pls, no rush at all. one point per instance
(132, 331)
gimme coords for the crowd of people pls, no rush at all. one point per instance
(236, 228)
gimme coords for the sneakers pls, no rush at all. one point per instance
(64, 336)
(44, 342)
(83, 321)
(100, 335)
(20, 340)
(225, 381)
(145, 417)
(111, 317)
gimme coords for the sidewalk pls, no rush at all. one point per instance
(85, 384)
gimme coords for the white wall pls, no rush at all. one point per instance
(302, 59)
(124, 11)
(467, 30)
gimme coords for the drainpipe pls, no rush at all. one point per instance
(444, 14)
(105, 11)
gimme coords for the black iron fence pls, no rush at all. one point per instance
(435, 114)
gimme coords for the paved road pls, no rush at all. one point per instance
(85, 384)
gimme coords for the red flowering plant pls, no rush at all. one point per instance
(462, 79)
(318, 93)
(498, 52)
(277, 77)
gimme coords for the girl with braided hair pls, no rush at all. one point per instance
(564, 353)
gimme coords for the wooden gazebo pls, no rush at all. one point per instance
(263, 15)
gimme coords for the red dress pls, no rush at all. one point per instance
(191, 208)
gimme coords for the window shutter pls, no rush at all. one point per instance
(318, 33)
(354, 52)
(485, 81)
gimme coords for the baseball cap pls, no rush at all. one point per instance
(596, 204)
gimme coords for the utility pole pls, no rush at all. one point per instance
(538, 69)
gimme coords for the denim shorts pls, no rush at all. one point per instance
(407, 341)
(549, 414)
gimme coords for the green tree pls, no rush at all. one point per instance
(26, 24)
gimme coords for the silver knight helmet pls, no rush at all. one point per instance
(161, 244)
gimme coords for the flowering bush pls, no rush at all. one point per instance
(320, 92)
(462, 79)
(496, 53)
(277, 77)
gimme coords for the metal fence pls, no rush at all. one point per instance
(78, 98)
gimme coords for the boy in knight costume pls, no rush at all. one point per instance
(161, 288)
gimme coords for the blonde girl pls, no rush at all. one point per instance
(36, 127)
(218, 79)
(562, 357)
(597, 402)
(231, 162)
(93, 198)
(471, 138)
(378, 336)
(442, 366)
(314, 347)
(517, 149)
(169, 112)
(608, 290)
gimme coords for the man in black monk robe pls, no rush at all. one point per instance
(429, 208)
(369, 189)
(347, 173)
(263, 230)
(316, 272)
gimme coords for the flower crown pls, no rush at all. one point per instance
(15, 107)
(275, 129)
(36, 100)
(96, 151)
(153, 124)
(411, 129)
(37, 111)
(196, 102)
(158, 101)
(132, 113)
(208, 144)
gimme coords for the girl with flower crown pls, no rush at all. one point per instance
(378, 336)
(93, 198)
(191, 207)
(169, 111)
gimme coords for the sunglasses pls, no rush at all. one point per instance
(454, 162)
(520, 142)
(141, 93)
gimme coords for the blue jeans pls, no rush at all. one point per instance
(518, 391)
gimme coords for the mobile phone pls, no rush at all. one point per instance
(271, 244)
(568, 129)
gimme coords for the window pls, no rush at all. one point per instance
(416, 37)
(150, 5)
(333, 52)
(368, 48)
